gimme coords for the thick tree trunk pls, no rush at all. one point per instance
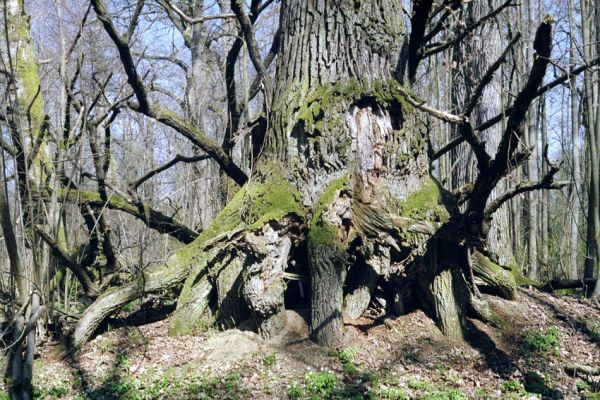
(343, 175)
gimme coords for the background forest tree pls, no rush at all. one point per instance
(233, 159)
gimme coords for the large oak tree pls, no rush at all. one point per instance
(341, 184)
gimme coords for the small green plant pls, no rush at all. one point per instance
(295, 391)
(321, 385)
(132, 305)
(510, 386)
(347, 357)
(136, 338)
(232, 382)
(164, 385)
(123, 361)
(58, 391)
(269, 360)
(595, 333)
(582, 386)
(419, 384)
(388, 393)
(481, 393)
(541, 341)
(452, 394)
(105, 345)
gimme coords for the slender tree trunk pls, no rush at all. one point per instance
(575, 190)
(28, 127)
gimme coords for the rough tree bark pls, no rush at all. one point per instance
(342, 179)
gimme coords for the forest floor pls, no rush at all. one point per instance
(528, 356)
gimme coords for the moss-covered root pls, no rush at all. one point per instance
(158, 279)
(328, 264)
(499, 281)
(255, 206)
(190, 317)
(479, 308)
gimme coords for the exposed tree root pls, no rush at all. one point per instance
(498, 280)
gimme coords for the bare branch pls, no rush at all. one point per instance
(156, 112)
(191, 132)
(487, 77)
(483, 158)
(455, 141)
(418, 23)
(89, 287)
(178, 158)
(450, 7)
(253, 50)
(545, 183)
(510, 139)
(487, 180)
(545, 88)
(422, 105)
(189, 20)
(122, 44)
(439, 47)
(79, 32)
(134, 20)
(154, 219)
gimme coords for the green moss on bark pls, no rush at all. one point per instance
(521, 279)
(494, 275)
(321, 100)
(321, 232)
(254, 205)
(427, 203)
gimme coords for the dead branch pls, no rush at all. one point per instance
(557, 284)
(547, 182)
(422, 105)
(450, 7)
(189, 20)
(543, 89)
(483, 158)
(153, 218)
(487, 77)
(575, 369)
(253, 51)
